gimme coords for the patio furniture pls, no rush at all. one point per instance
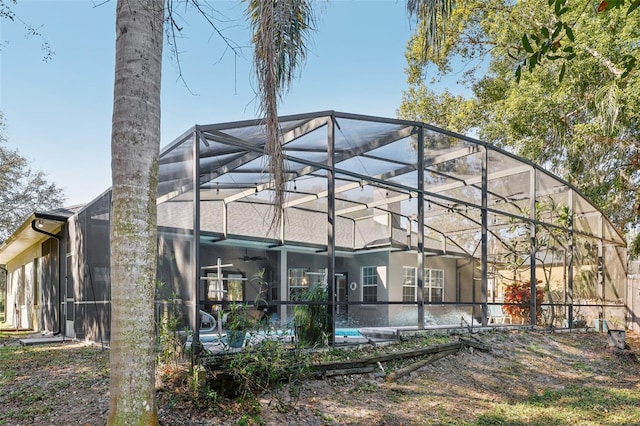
(496, 315)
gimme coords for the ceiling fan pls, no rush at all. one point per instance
(247, 258)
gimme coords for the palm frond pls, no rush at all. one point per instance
(280, 30)
(607, 102)
(432, 17)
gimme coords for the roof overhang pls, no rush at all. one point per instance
(31, 232)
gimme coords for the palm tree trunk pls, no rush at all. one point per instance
(135, 142)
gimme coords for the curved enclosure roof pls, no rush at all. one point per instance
(381, 178)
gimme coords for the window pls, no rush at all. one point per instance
(230, 288)
(369, 284)
(298, 282)
(235, 287)
(215, 289)
(433, 285)
(409, 283)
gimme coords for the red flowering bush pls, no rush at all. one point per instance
(517, 297)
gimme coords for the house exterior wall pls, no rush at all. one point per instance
(458, 284)
(401, 314)
(370, 315)
(32, 287)
(23, 284)
(49, 287)
(448, 265)
(469, 290)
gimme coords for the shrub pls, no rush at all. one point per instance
(311, 322)
(169, 342)
(265, 366)
(518, 297)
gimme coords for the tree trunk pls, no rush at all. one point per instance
(135, 142)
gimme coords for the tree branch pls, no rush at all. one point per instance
(606, 62)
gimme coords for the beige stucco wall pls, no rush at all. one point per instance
(455, 281)
(21, 306)
(372, 315)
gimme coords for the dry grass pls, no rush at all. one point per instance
(529, 378)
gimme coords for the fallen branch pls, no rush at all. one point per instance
(221, 375)
(345, 371)
(475, 344)
(360, 363)
(419, 364)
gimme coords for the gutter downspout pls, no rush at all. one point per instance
(35, 228)
(6, 276)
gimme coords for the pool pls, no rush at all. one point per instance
(213, 338)
(210, 338)
(347, 332)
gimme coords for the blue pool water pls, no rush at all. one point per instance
(347, 332)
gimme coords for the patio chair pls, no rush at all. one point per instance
(207, 322)
(496, 315)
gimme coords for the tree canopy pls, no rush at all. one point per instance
(583, 126)
(555, 39)
(22, 189)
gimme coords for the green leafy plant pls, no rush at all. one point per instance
(242, 316)
(240, 319)
(239, 322)
(265, 366)
(518, 300)
(170, 344)
(555, 40)
(311, 321)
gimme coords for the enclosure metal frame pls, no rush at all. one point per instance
(313, 121)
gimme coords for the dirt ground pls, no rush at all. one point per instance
(68, 385)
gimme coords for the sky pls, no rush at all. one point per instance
(58, 112)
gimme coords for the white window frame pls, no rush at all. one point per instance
(409, 280)
(218, 288)
(215, 288)
(234, 280)
(297, 281)
(433, 282)
(369, 280)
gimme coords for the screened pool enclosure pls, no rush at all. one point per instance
(403, 225)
